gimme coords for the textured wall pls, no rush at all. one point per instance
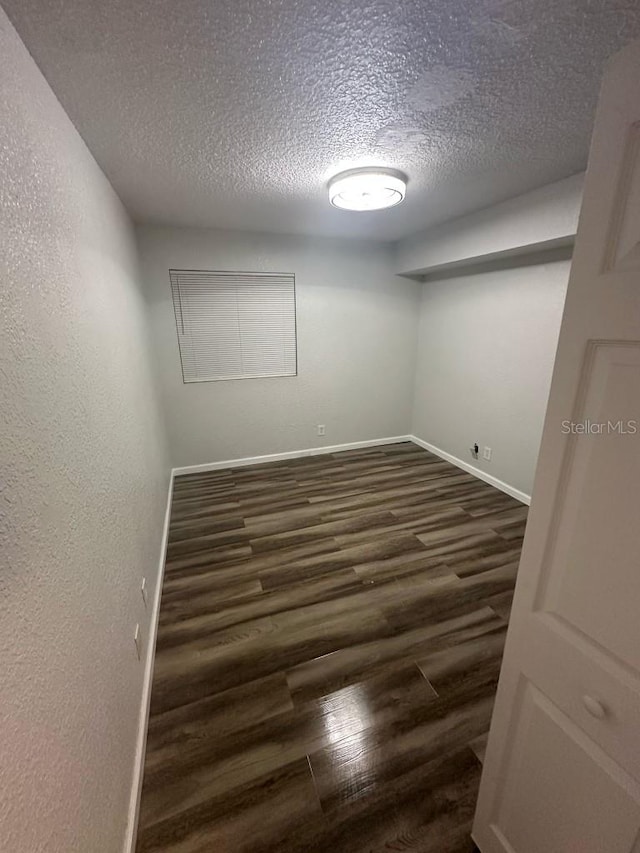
(83, 480)
(486, 348)
(356, 326)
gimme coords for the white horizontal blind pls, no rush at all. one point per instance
(234, 325)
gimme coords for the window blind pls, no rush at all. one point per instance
(234, 325)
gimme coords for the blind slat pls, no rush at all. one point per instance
(234, 325)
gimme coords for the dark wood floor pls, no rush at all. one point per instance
(330, 638)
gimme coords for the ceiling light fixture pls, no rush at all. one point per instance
(367, 189)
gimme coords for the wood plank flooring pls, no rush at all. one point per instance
(331, 631)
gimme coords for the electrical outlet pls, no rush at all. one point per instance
(143, 590)
(320, 429)
(137, 640)
(486, 454)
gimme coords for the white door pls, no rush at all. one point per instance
(562, 770)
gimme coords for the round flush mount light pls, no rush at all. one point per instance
(367, 189)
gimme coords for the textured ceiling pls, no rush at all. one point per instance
(233, 113)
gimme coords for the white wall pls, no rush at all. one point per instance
(544, 217)
(489, 322)
(486, 347)
(83, 480)
(356, 326)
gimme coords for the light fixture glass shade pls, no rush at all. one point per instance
(367, 189)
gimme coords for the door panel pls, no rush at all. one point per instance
(552, 756)
(562, 767)
(624, 239)
(591, 562)
(580, 673)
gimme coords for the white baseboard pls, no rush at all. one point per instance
(356, 445)
(471, 469)
(291, 454)
(141, 743)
